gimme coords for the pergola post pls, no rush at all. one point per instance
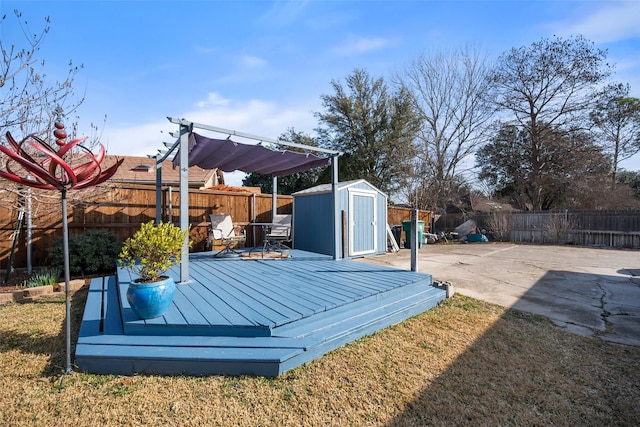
(337, 223)
(184, 199)
(274, 197)
(158, 189)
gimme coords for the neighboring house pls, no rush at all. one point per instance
(482, 204)
(142, 170)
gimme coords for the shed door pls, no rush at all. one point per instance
(362, 221)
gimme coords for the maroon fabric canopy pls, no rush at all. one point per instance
(229, 156)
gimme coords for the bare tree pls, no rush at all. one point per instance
(448, 93)
(547, 178)
(30, 102)
(548, 87)
(500, 225)
(27, 96)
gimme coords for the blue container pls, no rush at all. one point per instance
(149, 300)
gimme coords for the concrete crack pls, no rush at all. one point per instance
(604, 314)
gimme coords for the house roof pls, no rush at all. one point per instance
(482, 204)
(142, 170)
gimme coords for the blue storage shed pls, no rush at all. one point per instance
(363, 210)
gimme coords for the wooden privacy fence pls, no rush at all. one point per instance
(121, 209)
(606, 228)
(602, 228)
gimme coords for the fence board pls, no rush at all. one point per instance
(395, 216)
(121, 209)
(605, 228)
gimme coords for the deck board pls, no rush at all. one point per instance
(256, 316)
(235, 294)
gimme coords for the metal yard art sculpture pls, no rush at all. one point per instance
(41, 165)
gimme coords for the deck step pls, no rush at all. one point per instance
(366, 305)
(216, 318)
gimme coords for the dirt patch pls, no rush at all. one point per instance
(16, 282)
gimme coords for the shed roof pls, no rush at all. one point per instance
(326, 188)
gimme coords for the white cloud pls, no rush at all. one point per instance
(139, 140)
(354, 45)
(614, 21)
(205, 50)
(213, 99)
(255, 117)
(284, 12)
(250, 61)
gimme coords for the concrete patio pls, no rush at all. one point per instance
(588, 291)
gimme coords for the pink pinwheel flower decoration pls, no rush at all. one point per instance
(47, 169)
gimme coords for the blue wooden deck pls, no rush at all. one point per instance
(260, 317)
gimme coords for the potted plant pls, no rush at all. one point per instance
(149, 253)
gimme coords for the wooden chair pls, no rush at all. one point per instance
(223, 233)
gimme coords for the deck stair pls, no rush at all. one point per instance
(227, 322)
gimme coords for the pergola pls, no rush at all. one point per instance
(228, 156)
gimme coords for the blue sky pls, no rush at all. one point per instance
(260, 67)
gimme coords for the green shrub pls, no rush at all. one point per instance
(153, 249)
(89, 253)
(47, 276)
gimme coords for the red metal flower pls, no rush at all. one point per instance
(53, 172)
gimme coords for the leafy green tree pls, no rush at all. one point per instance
(374, 128)
(616, 117)
(546, 90)
(291, 183)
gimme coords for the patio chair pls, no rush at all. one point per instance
(279, 232)
(223, 233)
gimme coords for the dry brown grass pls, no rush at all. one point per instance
(464, 362)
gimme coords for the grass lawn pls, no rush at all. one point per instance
(464, 362)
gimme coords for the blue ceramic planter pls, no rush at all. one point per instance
(149, 300)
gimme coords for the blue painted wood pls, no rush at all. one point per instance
(313, 305)
(92, 317)
(362, 310)
(188, 360)
(313, 229)
(257, 289)
(153, 357)
(112, 321)
(339, 339)
(201, 273)
(201, 341)
(362, 233)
